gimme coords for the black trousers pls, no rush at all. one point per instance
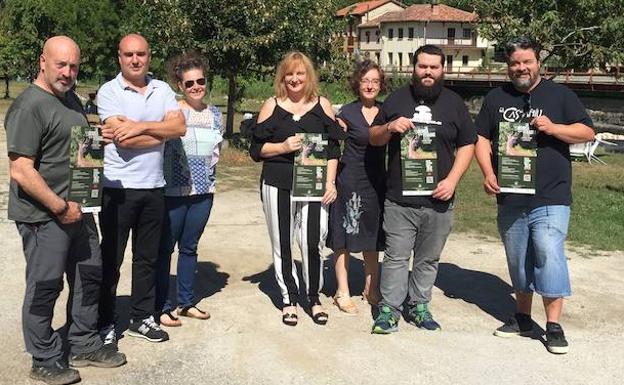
(139, 210)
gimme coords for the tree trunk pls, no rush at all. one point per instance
(6, 87)
(229, 125)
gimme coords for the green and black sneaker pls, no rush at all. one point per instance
(421, 317)
(386, 322)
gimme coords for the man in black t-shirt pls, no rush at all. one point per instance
(414, 222)
(533, 227)
(57, 237)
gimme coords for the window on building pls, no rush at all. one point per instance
(390, 33)
(400, 60)
(467, 33)
(411, 58)
(377, 57)
(389, 58)
(400, 33)
(368, 36)
(410, 33)
(465, 60)
(377, 36)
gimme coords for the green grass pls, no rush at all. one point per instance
(597, 218)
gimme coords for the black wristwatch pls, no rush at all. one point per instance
(64, 211)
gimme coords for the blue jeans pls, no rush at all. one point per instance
(185, 220)
(534, 241)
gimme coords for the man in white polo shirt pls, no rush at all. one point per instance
(139, 114)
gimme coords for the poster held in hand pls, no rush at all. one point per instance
(86, 166)
(517, 156)
(310, 168)
(419, 168)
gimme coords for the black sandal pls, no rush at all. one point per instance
(184, 312)
(172, 321)
(321, 317)
(290, 319)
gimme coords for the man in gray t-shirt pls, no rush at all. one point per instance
(58, 238)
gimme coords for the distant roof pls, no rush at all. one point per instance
(375, 22)
(364, 6)
(429, 12)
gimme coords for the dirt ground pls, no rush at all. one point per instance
(245, 342)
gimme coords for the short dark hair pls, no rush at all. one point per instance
(186, 62)
(521, 42)
(429, 49)
(360, 70)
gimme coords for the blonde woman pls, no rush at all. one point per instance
(296, 108)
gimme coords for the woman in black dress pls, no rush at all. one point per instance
(296, 108)
(355, 219)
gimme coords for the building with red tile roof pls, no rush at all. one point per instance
(392, 38)
(362, 12)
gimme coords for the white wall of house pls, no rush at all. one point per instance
(369, 39)
(396, 46)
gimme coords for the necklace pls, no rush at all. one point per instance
(296, 117)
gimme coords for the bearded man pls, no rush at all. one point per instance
(533, 227)
(58, 239)
(419, 223)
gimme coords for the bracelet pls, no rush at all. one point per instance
(64, 211)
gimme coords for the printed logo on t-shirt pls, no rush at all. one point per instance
(514, 114)
(422, 114)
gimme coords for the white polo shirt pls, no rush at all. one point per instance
(134, 168)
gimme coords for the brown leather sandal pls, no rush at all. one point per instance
(344, 303)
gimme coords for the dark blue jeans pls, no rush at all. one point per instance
(185, 220)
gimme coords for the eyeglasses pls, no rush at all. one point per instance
(374, 82)
(190, 83)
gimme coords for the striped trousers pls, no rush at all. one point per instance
(307, 222)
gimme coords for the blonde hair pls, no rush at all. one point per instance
(289, 63)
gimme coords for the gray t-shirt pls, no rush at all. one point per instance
(38, 124)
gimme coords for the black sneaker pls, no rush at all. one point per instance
(56, 374)
(555, 339)
(105, 357)
(148, 329)
(518, 325)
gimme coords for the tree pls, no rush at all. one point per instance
(19, 40)
(242, 40)
(163, 23)
(26, 24)
(579, 34)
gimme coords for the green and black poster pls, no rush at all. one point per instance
(310, 168)
(419, 167)
(517, 154)
(86, 157)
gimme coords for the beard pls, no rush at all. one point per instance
(522, 84)
(427, 92)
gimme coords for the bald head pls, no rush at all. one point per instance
(57, 44)
(58, 65)
(132, 39)
(134, 58)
